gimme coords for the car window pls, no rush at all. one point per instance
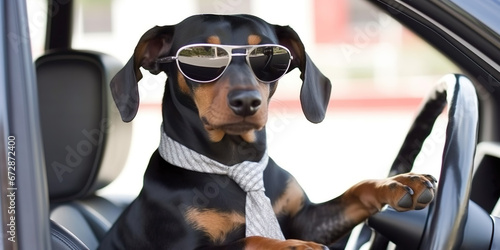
(380, 72)
(483, 12)
(37, 22)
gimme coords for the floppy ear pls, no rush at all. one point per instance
(316, 88)
(155, 43)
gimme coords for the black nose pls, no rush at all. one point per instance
(244, 102)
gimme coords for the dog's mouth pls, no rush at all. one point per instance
(234, 128)
(244, 129)
(238, 128)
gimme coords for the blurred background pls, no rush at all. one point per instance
(380, 72)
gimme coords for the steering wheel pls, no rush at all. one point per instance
(443, 223)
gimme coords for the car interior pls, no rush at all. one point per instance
(76, 168)
(68, 81)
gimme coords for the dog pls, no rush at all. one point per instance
(211, 184)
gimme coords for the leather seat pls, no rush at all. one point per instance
(85, 144)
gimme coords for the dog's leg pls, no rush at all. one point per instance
(327, 222)
(256, 242)
(402, 192)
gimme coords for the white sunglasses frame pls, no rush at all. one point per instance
(229, 49)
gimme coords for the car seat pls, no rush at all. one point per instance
(85, 144)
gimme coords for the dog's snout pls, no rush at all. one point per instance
(244, 102)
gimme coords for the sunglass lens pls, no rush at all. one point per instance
(203, 63)
(269, 63)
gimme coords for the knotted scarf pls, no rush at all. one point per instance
(259, 214)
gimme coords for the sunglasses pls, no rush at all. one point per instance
(205, 63)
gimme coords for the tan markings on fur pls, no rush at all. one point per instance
(183, 84)
(254, 39)
(258, 242)
(214, 223)
(213, 40)
(205, 98)
(216, 135)
(291, 201)
(249, 136)
(263, 110)
(362, 200)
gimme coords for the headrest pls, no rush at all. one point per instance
(85, 141)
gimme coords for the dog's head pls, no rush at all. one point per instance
(234, 99)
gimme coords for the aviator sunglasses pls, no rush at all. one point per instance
(205, 63)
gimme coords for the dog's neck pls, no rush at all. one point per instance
(181, 122)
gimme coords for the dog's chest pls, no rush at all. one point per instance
(213, 205)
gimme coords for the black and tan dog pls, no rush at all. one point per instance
(222, 72)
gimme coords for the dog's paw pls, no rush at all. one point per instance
(409, 191)
(302, 245)
(257, 242)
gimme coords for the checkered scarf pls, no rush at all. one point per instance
(259, 214)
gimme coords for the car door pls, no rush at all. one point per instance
(23, 199)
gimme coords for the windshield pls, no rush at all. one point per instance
(485, 12)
